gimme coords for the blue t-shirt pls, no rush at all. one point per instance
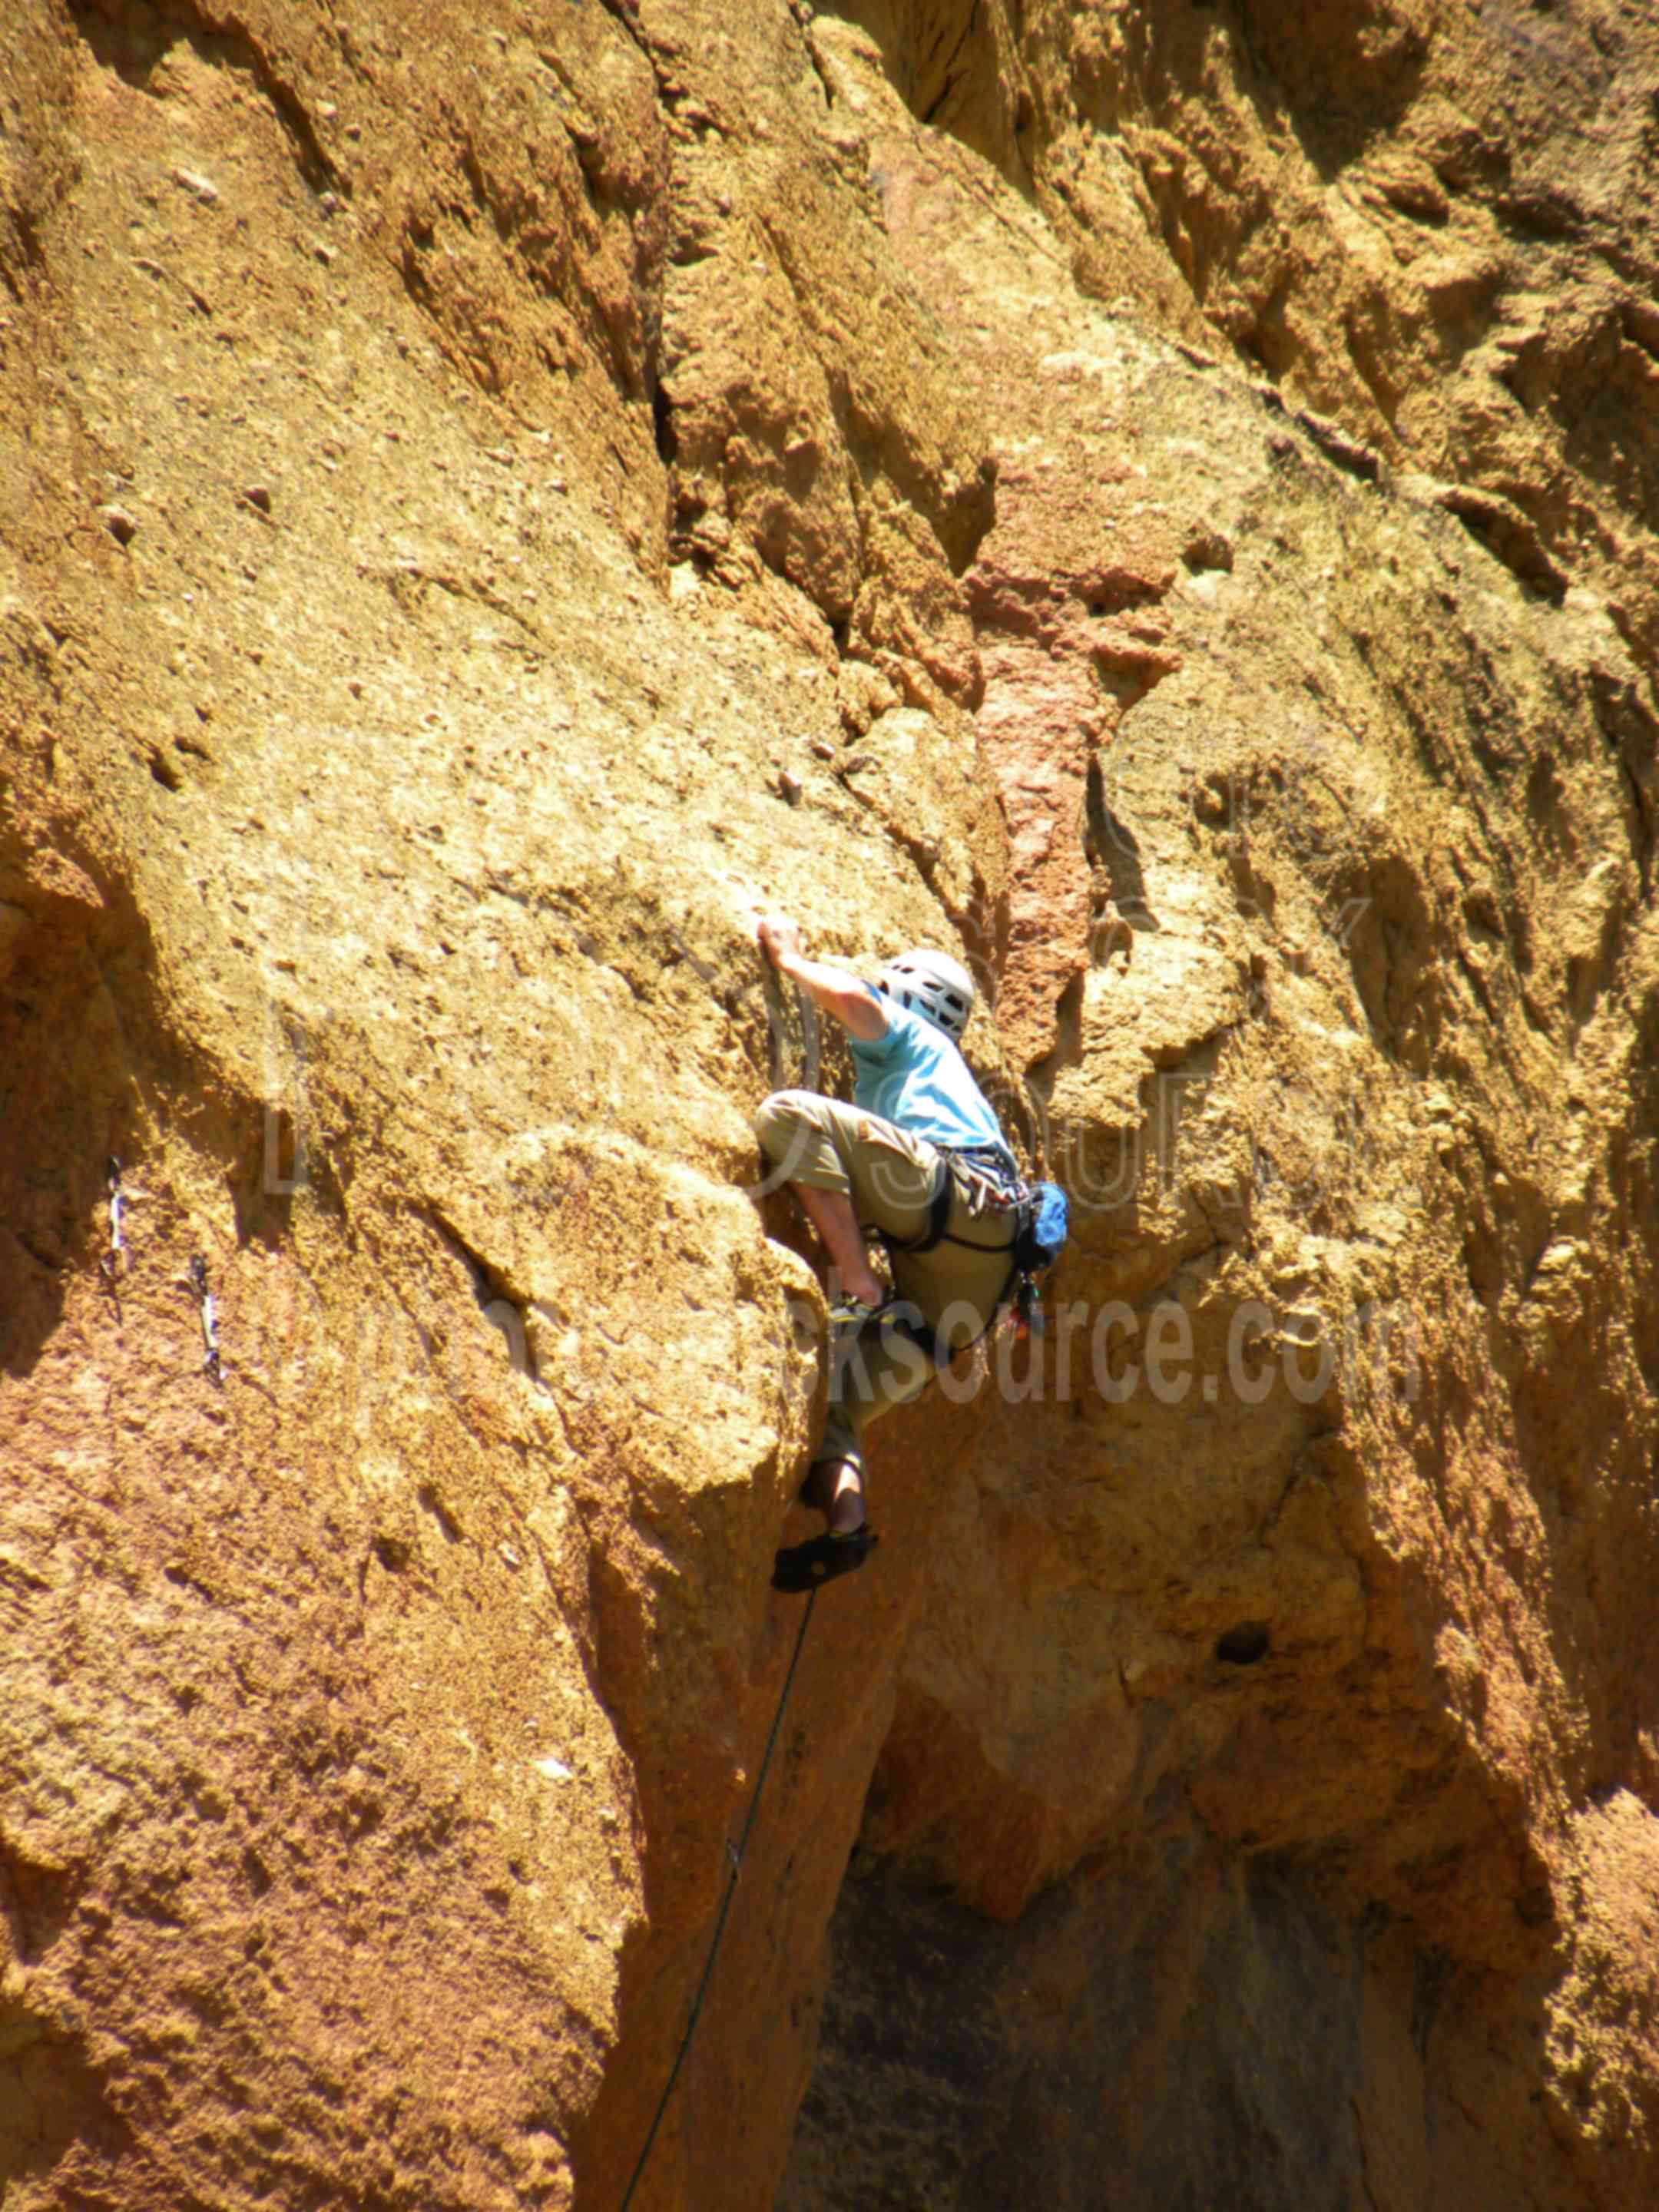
(916, 1076)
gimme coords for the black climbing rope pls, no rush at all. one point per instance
(735, 1852)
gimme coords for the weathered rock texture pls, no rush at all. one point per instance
(490, 499)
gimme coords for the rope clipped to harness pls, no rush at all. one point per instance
(734, 1852)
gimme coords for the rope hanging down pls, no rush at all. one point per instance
(736, 1851)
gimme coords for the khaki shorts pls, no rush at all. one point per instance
(891, 1177)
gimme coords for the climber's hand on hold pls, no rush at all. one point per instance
(779, 939)
(834, 990)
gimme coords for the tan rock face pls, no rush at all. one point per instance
(490, 503)
(1425, 221)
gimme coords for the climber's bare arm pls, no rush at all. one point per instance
(836, 991)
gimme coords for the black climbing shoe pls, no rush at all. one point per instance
(804, 1566)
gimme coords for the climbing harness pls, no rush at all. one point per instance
(111, 1263)
(199, 1283)
(734, 1853)
(985, 1177)
(983, 1174)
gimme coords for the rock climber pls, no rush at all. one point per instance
(917, 1161)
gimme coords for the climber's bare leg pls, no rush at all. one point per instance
(832, 1214)
(835, 1487)
(846, 1508)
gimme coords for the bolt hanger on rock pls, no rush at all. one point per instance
(199, 1283)
(113, 1262)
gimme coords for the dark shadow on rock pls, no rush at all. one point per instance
(1112, 849)
(1208, 2031)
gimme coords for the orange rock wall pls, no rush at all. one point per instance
(491, 501)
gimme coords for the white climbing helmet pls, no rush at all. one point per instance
(932, 984)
